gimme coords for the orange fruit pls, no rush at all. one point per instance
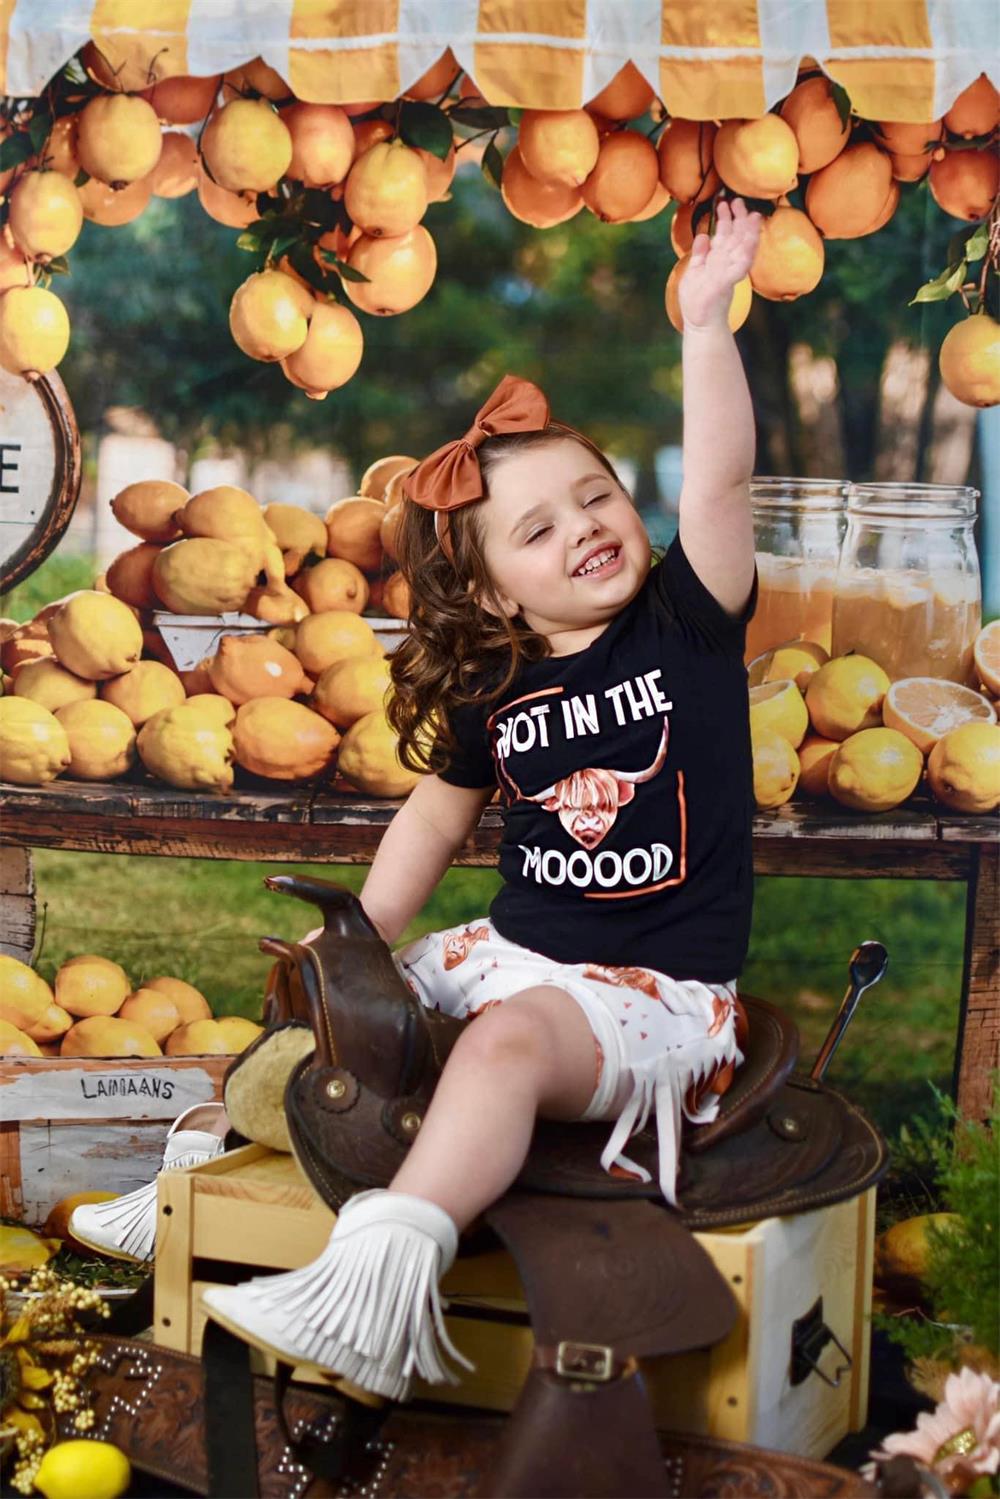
(924, 708)
(183, 100)
(400, 271)
(152, 1009)
(333, 583)
(379, 475)
(687, 170)
(235, 210)
(333, 635)
(369, 133)
(433, 83)
(283, 741)
(811, 111)
(396, 597)
(389, 527)
(386, 191)
(815, 754)
(148, 507)
(331, 353)
(259, 77)
(176, 173)
(970, 360)
(113, 207)
(909, 140)
(986, 655)
(627, 96)
(623, 178)
(322, 143)
(757, 158)
(739, 302)
(845, 199)
(965, 183)
(559, 145)
(657, 203)
(248, 666)
(541, 204)
(440, 172)
(352, 529)
(681, 229)
(188, 1001)
(130, 576)
(789, 258)
(976, 111)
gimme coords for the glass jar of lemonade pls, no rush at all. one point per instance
(908, 589)
(798, 525)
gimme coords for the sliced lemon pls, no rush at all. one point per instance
(986, 654)
(779, 707)
(924, 708)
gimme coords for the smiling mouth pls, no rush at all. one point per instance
(598, 563)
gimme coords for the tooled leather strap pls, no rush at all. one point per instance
(606, 1283)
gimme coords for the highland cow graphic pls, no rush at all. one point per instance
(625, 978)
(588, 801)
(458, 945)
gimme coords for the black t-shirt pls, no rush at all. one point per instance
(627, 775)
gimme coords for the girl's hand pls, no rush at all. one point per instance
(717, 264)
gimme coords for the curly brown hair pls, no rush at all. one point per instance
(457, 650)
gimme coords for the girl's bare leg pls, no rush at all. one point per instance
(534, 1054)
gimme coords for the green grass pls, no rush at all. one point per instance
(56, 576)
(200, 920)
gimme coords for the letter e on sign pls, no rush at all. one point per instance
(39, 471)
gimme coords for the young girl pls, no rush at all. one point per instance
(606, 699)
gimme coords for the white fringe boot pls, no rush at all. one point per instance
(368, 1308)
(125, 1228)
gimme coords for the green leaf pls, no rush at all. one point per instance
(301, 259)
(978, 242)
(40, 129)
(942, 286)
(81, 178)
(346, 272)
(75, 72)
(281, 244)
(426, 126)
(492, 164)
(514, 116)
(250, 241)
(319, 208)
(58, 265)
(475, 117)
(842, 101)
(15, 149)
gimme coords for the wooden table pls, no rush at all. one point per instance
(294, 824)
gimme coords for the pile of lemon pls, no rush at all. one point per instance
(841, 728)
(92, 1010)
(90, 686)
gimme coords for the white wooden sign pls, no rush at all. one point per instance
(129, 1088)
(39, 471)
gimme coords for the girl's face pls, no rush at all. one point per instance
(563, 543)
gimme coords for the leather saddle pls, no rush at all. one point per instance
(611, 1274)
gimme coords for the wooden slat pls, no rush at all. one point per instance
(842, 859)
(977, 1051)
(17, 904)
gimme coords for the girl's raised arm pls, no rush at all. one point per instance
(416, 849)
(716, 524)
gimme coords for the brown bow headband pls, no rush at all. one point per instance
(450, 477)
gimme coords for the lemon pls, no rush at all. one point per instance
(775, 768)
(46, 214)
(55, 1022)
(118, 139)
(903, 1251)
(201, 1038)
(204, 575)
(34, 331)
(986, 654)
(282, 740)
(874, 770)
(369, 758)
(186, 748)
(190, 1003)
(144, 690)
(101, 740)
(83, 1469)
(970, 360)
(795, 661)
(215, 708)
(95, 635)
(298, 533)
(91, 985)
(107, 1036)
(269, 315)
(21, 1249)
(24, 996)
(332, 635)
(351, 688)
(238, 1032)
(148, 507)
(376, 477)
(33, 744)
(845, 695)
(964, 768)
(779, 706)
(815, 754)
(154, 1010)
(246, 146)
(16, 1043)
(925, 708)
(46, 682)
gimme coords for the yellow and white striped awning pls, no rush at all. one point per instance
(707, 59)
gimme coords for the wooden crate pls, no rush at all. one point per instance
(74, 1124)
(252, 1210)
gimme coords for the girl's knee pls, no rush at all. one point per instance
(509, 1035)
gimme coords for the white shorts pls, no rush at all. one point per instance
(663, 1043)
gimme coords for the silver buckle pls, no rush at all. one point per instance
(590, 1361)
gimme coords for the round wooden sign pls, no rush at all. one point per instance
(39, 471)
